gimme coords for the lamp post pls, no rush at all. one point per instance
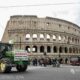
(45, 54)
(58, 61)
(59, 55)
(20, 42)
(11, 42)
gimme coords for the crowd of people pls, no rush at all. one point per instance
(47, 61)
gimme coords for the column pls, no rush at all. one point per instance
(45, 48)
(38, 49)
(52, 49)
(31, 47)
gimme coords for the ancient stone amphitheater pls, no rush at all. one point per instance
(54, 36)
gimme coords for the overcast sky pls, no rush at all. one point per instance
(69, 12)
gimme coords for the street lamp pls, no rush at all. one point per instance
(45, 54)
(11, 42)
(59, 55)
(20, 42)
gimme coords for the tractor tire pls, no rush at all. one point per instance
(21, 68)
(5, 65)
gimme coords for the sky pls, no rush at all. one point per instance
(69, 12)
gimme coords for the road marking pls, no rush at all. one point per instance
(35, 67)
(72, 71)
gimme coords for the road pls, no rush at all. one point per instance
(65, 72)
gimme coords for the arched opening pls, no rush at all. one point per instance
(48, 49)
(55, 49)
(78, 40)
(76, 50)
(60, 50)
(70, 50)
(72, 39)
(65, 49)
(27, 48)
(41, 36)
(69, 40)
(48, 37)
(34, 48)
(73, 50)
(27, 36)
(59, 38)
(64, 38)
(41, 48)
(54, 37)
(75, 40)
(79, 50)
(34, 36)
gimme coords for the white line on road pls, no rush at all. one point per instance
(72, 71)
(35, 67)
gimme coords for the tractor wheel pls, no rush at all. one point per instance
(21, 68)
(5, 65)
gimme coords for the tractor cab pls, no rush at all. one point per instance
(4, 47)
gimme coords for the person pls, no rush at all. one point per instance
(57, 63)
(45, 62)
(66, 60)
(40, 61)
(49, 61)
(34, 62)
(61, 60)
(54, 62)
(44, 53)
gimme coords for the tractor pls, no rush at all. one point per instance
(12, 58)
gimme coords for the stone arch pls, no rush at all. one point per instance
(48, 49)
(59, 38)
(48, 36)
(34, 36)
(55, 49)
(76, 50)
(69, 39)
(27, 36)
(34, 48)
(60, 50)
(54, 37)
(64, 38)
(41, 36)
(41, 48)
(27, 48)
(73, 50)
(79, 50)
(78, 40)
(70, 50)
(66, 49)
(73, 39)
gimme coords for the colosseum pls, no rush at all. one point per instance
(37, 35)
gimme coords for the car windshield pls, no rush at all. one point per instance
(74, 59)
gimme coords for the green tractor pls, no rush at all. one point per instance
(9, 58)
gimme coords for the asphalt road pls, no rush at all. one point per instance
(44, 73)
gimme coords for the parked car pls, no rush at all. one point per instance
(75, 61)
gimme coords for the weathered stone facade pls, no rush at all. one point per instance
(38, 35)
